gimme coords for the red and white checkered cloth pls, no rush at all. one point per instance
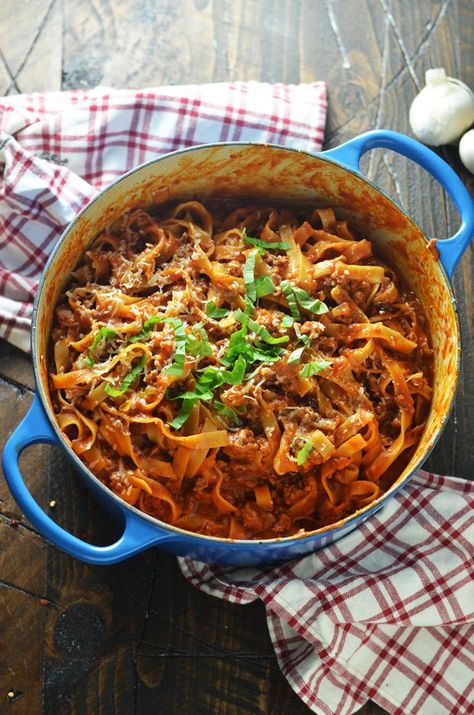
(385, 613)
(59, 149)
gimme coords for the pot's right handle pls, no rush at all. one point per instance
(350, 153)
(137, 535)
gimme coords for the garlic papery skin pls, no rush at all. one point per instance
(443, 110)
(466, 150)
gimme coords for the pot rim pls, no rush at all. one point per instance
(354, 518)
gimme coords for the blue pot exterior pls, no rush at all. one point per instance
(342, 164)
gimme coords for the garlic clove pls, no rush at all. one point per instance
(466, 150)
(443, 110)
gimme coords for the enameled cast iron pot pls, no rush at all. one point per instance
(275, 174)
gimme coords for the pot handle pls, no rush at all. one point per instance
(137, 535)
(350, 153)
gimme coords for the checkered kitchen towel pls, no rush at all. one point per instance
(387, 612)
(58, 149)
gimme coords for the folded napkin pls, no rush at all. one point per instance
(58, 149)
(385, 613)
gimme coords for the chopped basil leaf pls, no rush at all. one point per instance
(263, 333)
(103, 333)
(262, 353)
(193, 395)
(242, 318)
(303, 453)
(302, 338)
(267, 245)
(176, 323)
(139, 337)
(287, 321)
(183, 414)
(213, 311)
(177, 366)
(198, 347)
(249, 307)
(236, 375)
(210, 378)
(194, 346)
(127, 380)
(226, 412)
(260, 330)
(147, 326)
(295, 356)
(294, 294)
(175, 370)
(314, 367)
(264, 286)
(313, 305)
(206, 347)
(290, 299)
(249, 276)
(237, 343)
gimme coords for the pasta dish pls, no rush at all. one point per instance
(240, 371)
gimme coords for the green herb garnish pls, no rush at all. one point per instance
(183, 414)
(147, 326)
(213, 311)
(264, 286)
(193, 395)
(295, 356)
(260, 330)
(263, 333)
(263, 353)
(104, 332)
(237, 343)
(302, 338)
(226, 412)
(127, 380)
(236, 375)
(313, 305)
(303, 453)
(210, 378)
(266, 245)
(314, 367)
(177, 366)
(198, 346)
(290, 299)
(249, 276)
(287, 321)
(202, 391)
(294, 295)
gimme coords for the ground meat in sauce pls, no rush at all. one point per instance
(147, 265)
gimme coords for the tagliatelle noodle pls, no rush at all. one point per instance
(247, 372)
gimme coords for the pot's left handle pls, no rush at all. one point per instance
(350, 154)
(137, 535)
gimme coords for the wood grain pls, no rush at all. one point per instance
(136, 637)
(31, 45)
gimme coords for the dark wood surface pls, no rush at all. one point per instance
(137, 638)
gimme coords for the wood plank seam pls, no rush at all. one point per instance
(25, 592)
(41, 27)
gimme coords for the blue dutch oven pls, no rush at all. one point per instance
(243, 170)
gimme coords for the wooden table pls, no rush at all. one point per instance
(136, 638)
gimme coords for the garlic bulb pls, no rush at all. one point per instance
(466, 150)
(443, 110)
